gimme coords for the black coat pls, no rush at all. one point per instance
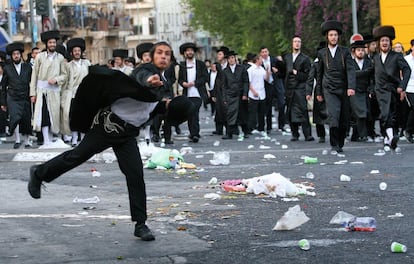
(319, 108)
(364, 80)
(102, 86)
(14, 85)
(218, 93)
(200, 81)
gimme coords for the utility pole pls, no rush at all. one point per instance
(33, 27)
(354, 17)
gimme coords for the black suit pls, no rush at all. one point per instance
(200, 83)
(15, 95)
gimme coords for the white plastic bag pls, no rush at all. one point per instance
(293, 218)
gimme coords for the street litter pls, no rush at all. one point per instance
(199, 156)
(264, 147)
(325, 152)
(344, 178)
(309, 175)
(341, 162)
(221, 158)
(294, 199)
(363, 224)
(95, 173)
(383, 186)
(212, 196)
(363, 208)
(213, 181)
(166, 158)
(284, 146)
(357, 162)
(250, 147)
(186, 150)
(380, 152)
(398, 247)
(233, 186)
(396, 215)
(293, 218)
(304, 244)
(309, 160)
(269, 156)
(216, 143)
(374, 171)
(180, 217)
(339, 155)
(181, 171)
(199, 170)
(341, 218)
(92, 200)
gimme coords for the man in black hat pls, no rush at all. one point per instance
(364, 73)
(335, 83)
(116, 115)
(216, 84)
(297, 70)
(236, 85)
(15, 94)
(193, 76)
(119, 56)
(76, 69)
(48, 76)
(392, 73)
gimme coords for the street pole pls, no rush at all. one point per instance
(9, 19)
(81, 14)
(32, 24)
(51, 15)
(354, 17)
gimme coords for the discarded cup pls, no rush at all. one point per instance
(309, 175)
(310, 160)
(304, 244)
(383, 186)
(345, 178)
(398, 247)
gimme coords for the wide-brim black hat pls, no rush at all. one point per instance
(231, 53)
(179, 110)
(358, 44)
(368, 38)
(123, 53)
(383, 31)
(14, 46)
(331, 25)
(223, 49)
(250, 56)
(187, 45)
(52, 34)
(143, 47)
(76, 42)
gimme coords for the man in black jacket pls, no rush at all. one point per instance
(335, 82)
(193, 77)
(297, 70)
(113, 120)
(15, 94)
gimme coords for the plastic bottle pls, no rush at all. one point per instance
(311, 160)
(363, 224)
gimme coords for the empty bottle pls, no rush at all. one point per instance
(363, 224)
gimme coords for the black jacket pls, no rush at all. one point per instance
(236, 84)
(14, 85)
(200, 81)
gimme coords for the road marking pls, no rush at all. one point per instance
(62, 216)
(313, 242)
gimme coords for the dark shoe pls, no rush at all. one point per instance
(34, 183)
(17, 145)
(309, 138)
(142, 231)
(178, 130)
(195, 139)
(394, 142)
(269, 131)
(220, 133)
(147, 141)
(409, 137)
(155, 138)
(321, 140)
(339, 149)
(246, 135)
(294, 139)
(363, 139)
(227, 137)
(169, 142)
(28, 146)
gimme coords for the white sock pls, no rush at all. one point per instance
(147, 132)
(74, 137)
(45, 133)
(17, 133)
(390, 133)
(26, 140)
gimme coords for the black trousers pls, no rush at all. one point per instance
(194, 120)
(410, 117)
(257, 111)
(108, 131)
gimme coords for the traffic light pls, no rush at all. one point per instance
(42, 7)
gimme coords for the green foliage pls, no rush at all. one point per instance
(245, 25)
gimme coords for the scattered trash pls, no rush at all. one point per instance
(293, 218)
(398, 150)
(269, 156)
(344, 178)
(221, 158)
(186, 150)
(363, 224)
(339, 155)
(212, 196)
(166, 158)
(383, 186)
(294, 199)
(310, 160)
(309, 175)
(325, 152)
(212, 181)
(363, 208)
(92, 200)
(216, 143)
(187, 165)
(304, 244)
(273, 184)
(233, 186)
(341, 162)
(95, 173)
(89, 208)
(93, 186)
(357, 162)
(199, 156)
(180, 217)
(284, 146)
(341, 218)
(396, 215)
(250, 147)
(199, 170)
(374, 171)
(398, 247)
(181, 171)
(380, 152)
(264, 147)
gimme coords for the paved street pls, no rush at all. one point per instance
(190, 228)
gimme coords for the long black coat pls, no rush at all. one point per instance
(364, 79)
(235, 85)
(218, 93)
(200, 81)
(388, 79)
(319, 108)
(295, 85)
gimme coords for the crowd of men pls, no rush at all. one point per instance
(350, 88)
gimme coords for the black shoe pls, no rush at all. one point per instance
(363, 139)
(169, 142)
(178, 130)
(227, 137)
(309, 138)
(321, 140)
(155, 138)
(35, 183)
(142, 231)
(339, 149)
(195, 139)
(394, 142)
(246, 135)
(269, 131)
(147, 141)
(219, 133)
(17, 145)
(409, 137)
(27, 146)
(294, 139)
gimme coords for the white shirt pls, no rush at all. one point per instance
(410, 86)
(191, 76)
(257, 76)
(333, 50)
(360, 63)
(18, 67)
(133, 111)
(213, 75)
(383, 56)
(267, 65)
(233, 68)
(294, 56)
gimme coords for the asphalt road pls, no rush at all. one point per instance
(189, 228)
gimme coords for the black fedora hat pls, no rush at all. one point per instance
(143, 47)
(188, 45)
(383, 31)
(122, 53)
(231, 53)
(358, 44)
(331, 25)
(179, 110)
(15, 46)
(51, 34)
(76, 42)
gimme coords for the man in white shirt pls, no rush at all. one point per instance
(409, 129)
